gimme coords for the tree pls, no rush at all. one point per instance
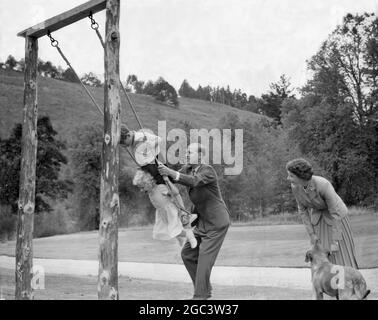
(131, 78)
(239, 100)
(262, 188)
(186, 90)
(134, 85)
(47, 69)
(91, 79)
(86, 160)
(272, 102)
(21, 65)
(49, 161)
(253, 105)
(148, 88)
(10, 63)
(164, 92)
(328, 132)
(69, 75)
(347, 63)
(338, 113)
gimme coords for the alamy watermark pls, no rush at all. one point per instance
(38, 279)
(338, 281)
(223, 146)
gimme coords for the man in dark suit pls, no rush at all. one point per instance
(213, 218)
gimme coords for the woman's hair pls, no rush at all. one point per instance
(301, 168)
(143, 180)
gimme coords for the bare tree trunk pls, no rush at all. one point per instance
(26, 202)
(109, 204)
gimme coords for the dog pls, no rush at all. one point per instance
(344, 283)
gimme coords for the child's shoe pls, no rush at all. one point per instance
(191, 238)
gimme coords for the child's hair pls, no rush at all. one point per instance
(125, 132)
(143, 180)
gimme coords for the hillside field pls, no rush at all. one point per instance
(68, 107)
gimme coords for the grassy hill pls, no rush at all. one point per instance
(68, 107)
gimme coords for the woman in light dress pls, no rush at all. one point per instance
(323, 212)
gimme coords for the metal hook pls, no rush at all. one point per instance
(54, 42)
(94, 24)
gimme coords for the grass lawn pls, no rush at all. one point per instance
(280, 245)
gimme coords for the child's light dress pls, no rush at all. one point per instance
(167, 222)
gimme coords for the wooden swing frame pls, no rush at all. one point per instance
(109, 199)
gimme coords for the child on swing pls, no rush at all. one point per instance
(171, 219)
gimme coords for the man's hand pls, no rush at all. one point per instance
(165, 171)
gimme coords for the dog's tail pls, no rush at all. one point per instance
(366, 294)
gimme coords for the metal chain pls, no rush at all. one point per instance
(94, 23)
(95, 26)
(55, 44)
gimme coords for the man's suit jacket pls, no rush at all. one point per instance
(204, 192)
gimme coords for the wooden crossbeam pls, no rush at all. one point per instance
(64, 19)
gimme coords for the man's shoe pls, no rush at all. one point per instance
(199, 298)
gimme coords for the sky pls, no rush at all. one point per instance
(246, 44)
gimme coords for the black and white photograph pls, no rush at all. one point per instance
(167, 150)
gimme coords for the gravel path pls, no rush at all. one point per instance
(295, 278)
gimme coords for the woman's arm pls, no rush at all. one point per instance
(306, 220)
(305, 215)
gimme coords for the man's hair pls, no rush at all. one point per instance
(124, 134)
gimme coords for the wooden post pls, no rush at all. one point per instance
(109, 203)
(26, 202)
